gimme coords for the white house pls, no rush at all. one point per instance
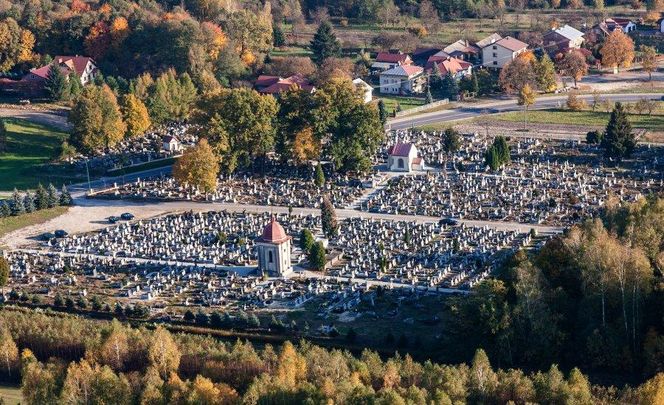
(403, 157)
(402, 80)
(562, 39)
(501, 52)
(273, 249)
(388, 60)
(609, 25)
(365, 88)
(171, 144)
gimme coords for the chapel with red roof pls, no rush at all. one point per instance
(273, 249)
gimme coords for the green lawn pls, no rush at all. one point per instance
(565, 117)
(11, 224)
(405, 102)
(10, 395)
(290, 51)
(30, 147)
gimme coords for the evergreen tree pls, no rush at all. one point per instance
(41, 198)
(5, 211)
(17, 207)
(65, 197)
(429, 97)
(319, 177)
(451, 140)
(619, 141)
(449, 88)
(329, 218)
(75, 87)
(278, 37)
(325, 44)
(56, 84)
(475, 84)
(3, 136)
(436, 81)
(52, 196)
(28, 202)
(382, 112)
(306, 240)
(317, 259)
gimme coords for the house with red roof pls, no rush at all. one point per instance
(498, 53)
(609, 25)
(389, 60)
(403, 157)
(462, 49)
(446, 64)
(406, 79)
(32, 83)
(266, 84)
(273, 249)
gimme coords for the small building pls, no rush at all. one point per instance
(609, 25)
(502, 52)
(562, 39)
(462, 49)
(403, 157)
(403, 80)
(266, 84)
(389, 60)
(273, 249)
(365, 88)
(171, 143)
(456, 67)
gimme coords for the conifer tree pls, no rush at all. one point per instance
(75, 87)
(41, 198)
(65, 196)
(56, 84)
(325, 44)
(28, 202)
(52, 196)
(17, 207)
(317, 259)
(329, 218)
(319, 176)
(5, 211)
(382, 112)
(449, 87)
(306, 240)
(619, 141)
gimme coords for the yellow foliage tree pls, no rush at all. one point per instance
(119, 31)
(96, 119)
(15, 44)
(8, 351)
(215, 39)
(198, 167)
(292, 366)
(163, 353)
(305, 146)
(135, 115)
(618, 50)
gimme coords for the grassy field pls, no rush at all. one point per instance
(30, 147)
(590, 118)
(10, 395)
(11, 224)
(405, 102)
(145, 166)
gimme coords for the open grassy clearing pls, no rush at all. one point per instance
(11, 224)
(30, 148)
(405, 102)
(10, 395)
(589, 118)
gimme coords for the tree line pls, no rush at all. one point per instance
(63, 358)
(42, 198)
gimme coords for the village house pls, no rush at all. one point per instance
(266, 84)
(273, 249)
(32, 84)
(403, 157)
(609, 25)
(490, 40)
(501, 52)
(462, 49)
(389, 60)
(562, 39)
(403, 80)
(365, 89)
(456, 67)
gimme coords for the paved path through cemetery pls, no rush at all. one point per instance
(477, 110)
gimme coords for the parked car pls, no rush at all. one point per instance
(60, 233)
(127, 216)
(448, 221)
(113, 219)
(46, 236)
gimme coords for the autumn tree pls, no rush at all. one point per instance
(516, 74)
(171, 98)
(98, 40)
(198, 167)
(251, 34)
(163, 353)
(545, 74)
(305, 146)
(526, 99)
(115, 349)
(325, 43)
(135, 115)
(618, 50)
(574, 64)
(4, 272)
(290, 65)
(16, 44)
(96, 119)
(649, 60)
(8, 351)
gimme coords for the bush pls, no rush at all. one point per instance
(594, 137)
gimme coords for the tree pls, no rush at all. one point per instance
(75, 86)
(198, 167)
(483, 380)
(65, 197)
(8, 349)
(319, 176)
(324, 44)
(15, 44)
(135, 115)
(618, 50)
(305, 146)
(619, 141)
(545, 74)
(56, 84)
(115, 349)
(649, 60)
(306, 240)
(516, 74)
(3, 136)
(96, 119)
(382, 112)
(278, 37)
(17, 203)
(574, 64)
(317, 258)
(449, 87)
(5, 210)
(171, 97)
(4, 272)
(163, 353)
(329, 218)
(526, 99)
(41, 198)
(451, 140)
(28, 202)
(51, 196)
(594, 137)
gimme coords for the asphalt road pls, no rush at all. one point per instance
(475, 111)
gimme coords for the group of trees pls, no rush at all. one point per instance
(591, 297)
(41, 199)
(60, 358)
(315, 250)
(498, 153)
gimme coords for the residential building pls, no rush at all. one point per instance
(421, 55)
(32, 84)
(462, 49)
(501, 52)
(609, 25)
(403, 157)
(562, 39)
(274, 84)
(365, 88)
(402, 80)
(457, 67)
(389, 60)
